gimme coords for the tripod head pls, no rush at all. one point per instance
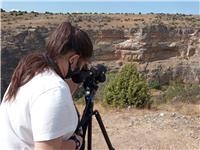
(90, 78)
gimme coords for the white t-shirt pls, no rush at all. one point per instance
(42, 110)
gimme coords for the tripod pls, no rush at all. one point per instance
(86, 122)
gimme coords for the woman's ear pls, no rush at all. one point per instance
(73, 60)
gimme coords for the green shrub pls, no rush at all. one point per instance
(20, 13)
(154, 85)
(47, 12)
(128, 88)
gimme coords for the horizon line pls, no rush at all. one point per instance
(76, 12)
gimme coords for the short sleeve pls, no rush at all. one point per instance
(53, 114)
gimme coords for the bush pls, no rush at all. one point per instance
(20, 13)
(154, 85)
(2, 10)
(35, 13)
(128, 88)
(47, 12)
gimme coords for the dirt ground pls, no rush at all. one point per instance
(132, 129)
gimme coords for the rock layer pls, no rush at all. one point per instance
(167, 54)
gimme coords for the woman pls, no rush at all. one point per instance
(37, 111)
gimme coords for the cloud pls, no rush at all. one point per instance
(14, 10)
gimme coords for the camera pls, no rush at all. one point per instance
(91, 77)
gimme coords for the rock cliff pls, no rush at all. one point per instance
(164, 53)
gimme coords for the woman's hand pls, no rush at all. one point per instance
(78, 140)
(73, 143)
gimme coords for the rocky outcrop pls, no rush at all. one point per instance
(103, 43)
(25, 39)
(168, 48)
(157, 42)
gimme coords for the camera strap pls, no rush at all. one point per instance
(53, 65)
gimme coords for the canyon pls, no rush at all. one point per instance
(163, 47)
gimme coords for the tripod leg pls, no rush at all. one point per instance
(86, 125)
(100, 122)
(90, 134)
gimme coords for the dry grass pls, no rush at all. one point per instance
(105, 21)
(183, 108)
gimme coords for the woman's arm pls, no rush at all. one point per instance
(55, 144)
(58, 144)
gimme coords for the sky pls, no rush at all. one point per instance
(105, 6)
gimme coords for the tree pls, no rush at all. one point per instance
(2, 10)
(128, 88)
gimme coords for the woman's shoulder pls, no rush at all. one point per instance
(47, 80)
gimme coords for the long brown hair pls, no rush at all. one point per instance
(64, 39)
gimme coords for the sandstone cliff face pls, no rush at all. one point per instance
(158, 42)
(161, 52)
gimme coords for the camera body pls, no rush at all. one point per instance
(91, 77)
